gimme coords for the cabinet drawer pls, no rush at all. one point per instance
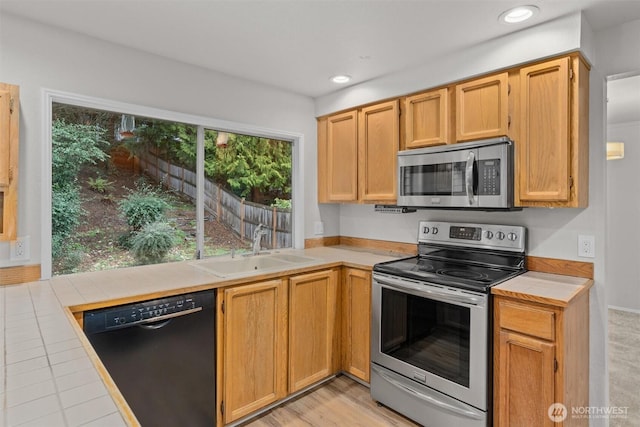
(529, 320)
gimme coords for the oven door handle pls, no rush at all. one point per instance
(430, 293)
(432, 400)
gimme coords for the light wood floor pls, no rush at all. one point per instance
(624, 366)
(340, 402)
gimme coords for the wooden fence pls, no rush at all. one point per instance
(240, 215)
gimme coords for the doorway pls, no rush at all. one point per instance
(622, 266)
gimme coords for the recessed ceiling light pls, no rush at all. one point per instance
(341, 78)
(518, 14)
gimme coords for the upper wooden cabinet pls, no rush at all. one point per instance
(9, 140)
(357, 155)
(426, 119)
(378, 142)
(553, 151)
(543, 107)
(342, 157)
(482, 108)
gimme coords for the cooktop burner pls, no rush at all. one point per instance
(464, 274)
(447, 272)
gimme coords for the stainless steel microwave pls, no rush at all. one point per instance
(469, 175)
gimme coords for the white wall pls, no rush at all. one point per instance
(623, 204)
(38, 57)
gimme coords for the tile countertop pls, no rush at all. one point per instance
(545, 288)
(48, 377)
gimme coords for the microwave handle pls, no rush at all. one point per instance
(468, 177)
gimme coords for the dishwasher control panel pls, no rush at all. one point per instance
(144, 312)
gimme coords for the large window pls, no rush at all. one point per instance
(125, 190)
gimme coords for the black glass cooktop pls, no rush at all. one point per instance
(448, 272)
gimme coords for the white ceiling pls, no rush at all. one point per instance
(297, 45)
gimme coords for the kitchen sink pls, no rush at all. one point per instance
(297, 259)
(225, 267)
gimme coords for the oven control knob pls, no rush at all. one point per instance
(434, 230)
(500, 235)
(489, 235)
(512, 236)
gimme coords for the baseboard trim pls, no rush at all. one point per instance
(19, 274)
(625, 309)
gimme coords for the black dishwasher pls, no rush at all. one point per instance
(161, 355)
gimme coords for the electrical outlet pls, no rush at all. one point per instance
(318, 228)
(19, 249)
(586, 246)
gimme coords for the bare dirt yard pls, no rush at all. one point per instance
(98, 237)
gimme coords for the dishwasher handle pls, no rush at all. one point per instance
(161, 321)
(148, 313)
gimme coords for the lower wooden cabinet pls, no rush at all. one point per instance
(356, 322)
(275, 338)
(541, 357)
(312, 328)
(254, 347)
(527, 366)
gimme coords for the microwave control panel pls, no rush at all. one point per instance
(489, 177)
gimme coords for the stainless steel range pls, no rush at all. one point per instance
(431, 341)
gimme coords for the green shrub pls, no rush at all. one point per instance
(65, 217)
(69, 258)
(143, 207)
(153, 242)
(124, 239)
(75, 145)
(100, 185)
(281, 203)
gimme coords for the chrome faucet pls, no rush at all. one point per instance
(257, 237)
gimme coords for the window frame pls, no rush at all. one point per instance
(49, 97)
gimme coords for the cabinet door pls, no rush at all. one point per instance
(323, 177)
(342, 157)
(524, 381)
(378, 142)
(312, 328)
(254, 347)
(356, 322)
(9, 140)
(426, 119)
(482, 108)
(544, 145)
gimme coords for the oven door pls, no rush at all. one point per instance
(433, 335)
